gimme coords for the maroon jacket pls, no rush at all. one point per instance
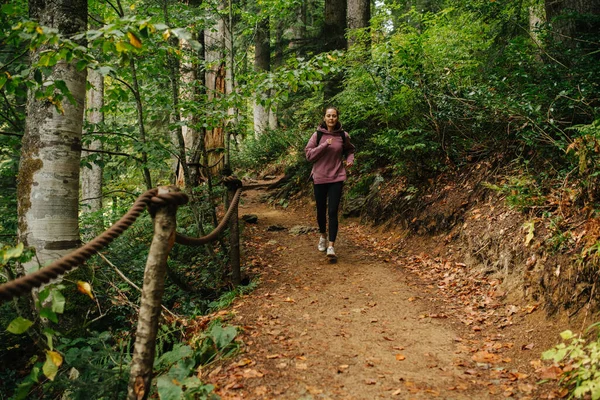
(327, 159)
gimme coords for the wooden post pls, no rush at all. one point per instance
(152, 292)
(234, 240)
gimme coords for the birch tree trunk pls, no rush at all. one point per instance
(214, 142)
(48, 179)
(91, 178)
(262, 63)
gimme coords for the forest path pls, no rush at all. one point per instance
(361, 328)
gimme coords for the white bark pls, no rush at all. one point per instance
(215, 44)
(273, 122)
(48, 181)
(91, 178)
(261, 120)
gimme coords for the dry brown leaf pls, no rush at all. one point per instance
(260, 390)
(551, 372)
(400, 357)
(252, 373)
(243, 362)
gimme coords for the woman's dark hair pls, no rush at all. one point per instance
(331, 108)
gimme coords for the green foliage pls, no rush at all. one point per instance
(226, 299)
(179, 380)
(177, 377)
(583, 359)
(269, 147)
(522, 192)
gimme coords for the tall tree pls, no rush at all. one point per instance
(48, 179)
(214, 140)
(91, 175)
(571, 18)
(333, 36)
(359, 15)
(262, 64)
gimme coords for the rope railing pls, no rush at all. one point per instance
(152, 200)
(162, 205)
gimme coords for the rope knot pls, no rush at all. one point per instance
(232, 182)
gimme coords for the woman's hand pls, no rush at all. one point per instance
(329, 141)
(348, 164)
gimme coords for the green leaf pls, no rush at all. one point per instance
(50, 368)
(168, 388)
(37, 75)
(19, 325)
(121, 47)
(223, 336)
(179, 352)
(3, 79)
(566, 335)
(58, 302)
(48, 313)
(50, 337)
(9, 9)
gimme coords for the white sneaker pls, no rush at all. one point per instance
(322, 244)
(331, 252)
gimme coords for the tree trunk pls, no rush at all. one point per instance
(565, 18)
(298, 28)
(334, 29)
(359, 16)
(333, 37)
(91, 178)
(262, 63)
(48, 179)
(214, 142)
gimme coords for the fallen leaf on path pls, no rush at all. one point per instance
(252, 373)
(314, 390)
(517, 375)
(485, 357)
(370, 381)
(551, 372)
(526, 388)
(243, 362)
(289, 300)
(260, 390)
(400, 357)
(272, 356)
(527, 346)
(302, 366)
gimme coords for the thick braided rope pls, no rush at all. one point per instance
(24, 284)
(190, 241)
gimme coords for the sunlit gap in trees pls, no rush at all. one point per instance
(388, 24)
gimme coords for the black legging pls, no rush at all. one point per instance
(328, 194)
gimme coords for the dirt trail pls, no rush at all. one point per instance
(356, 329)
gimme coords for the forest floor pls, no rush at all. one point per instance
(382, 322)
